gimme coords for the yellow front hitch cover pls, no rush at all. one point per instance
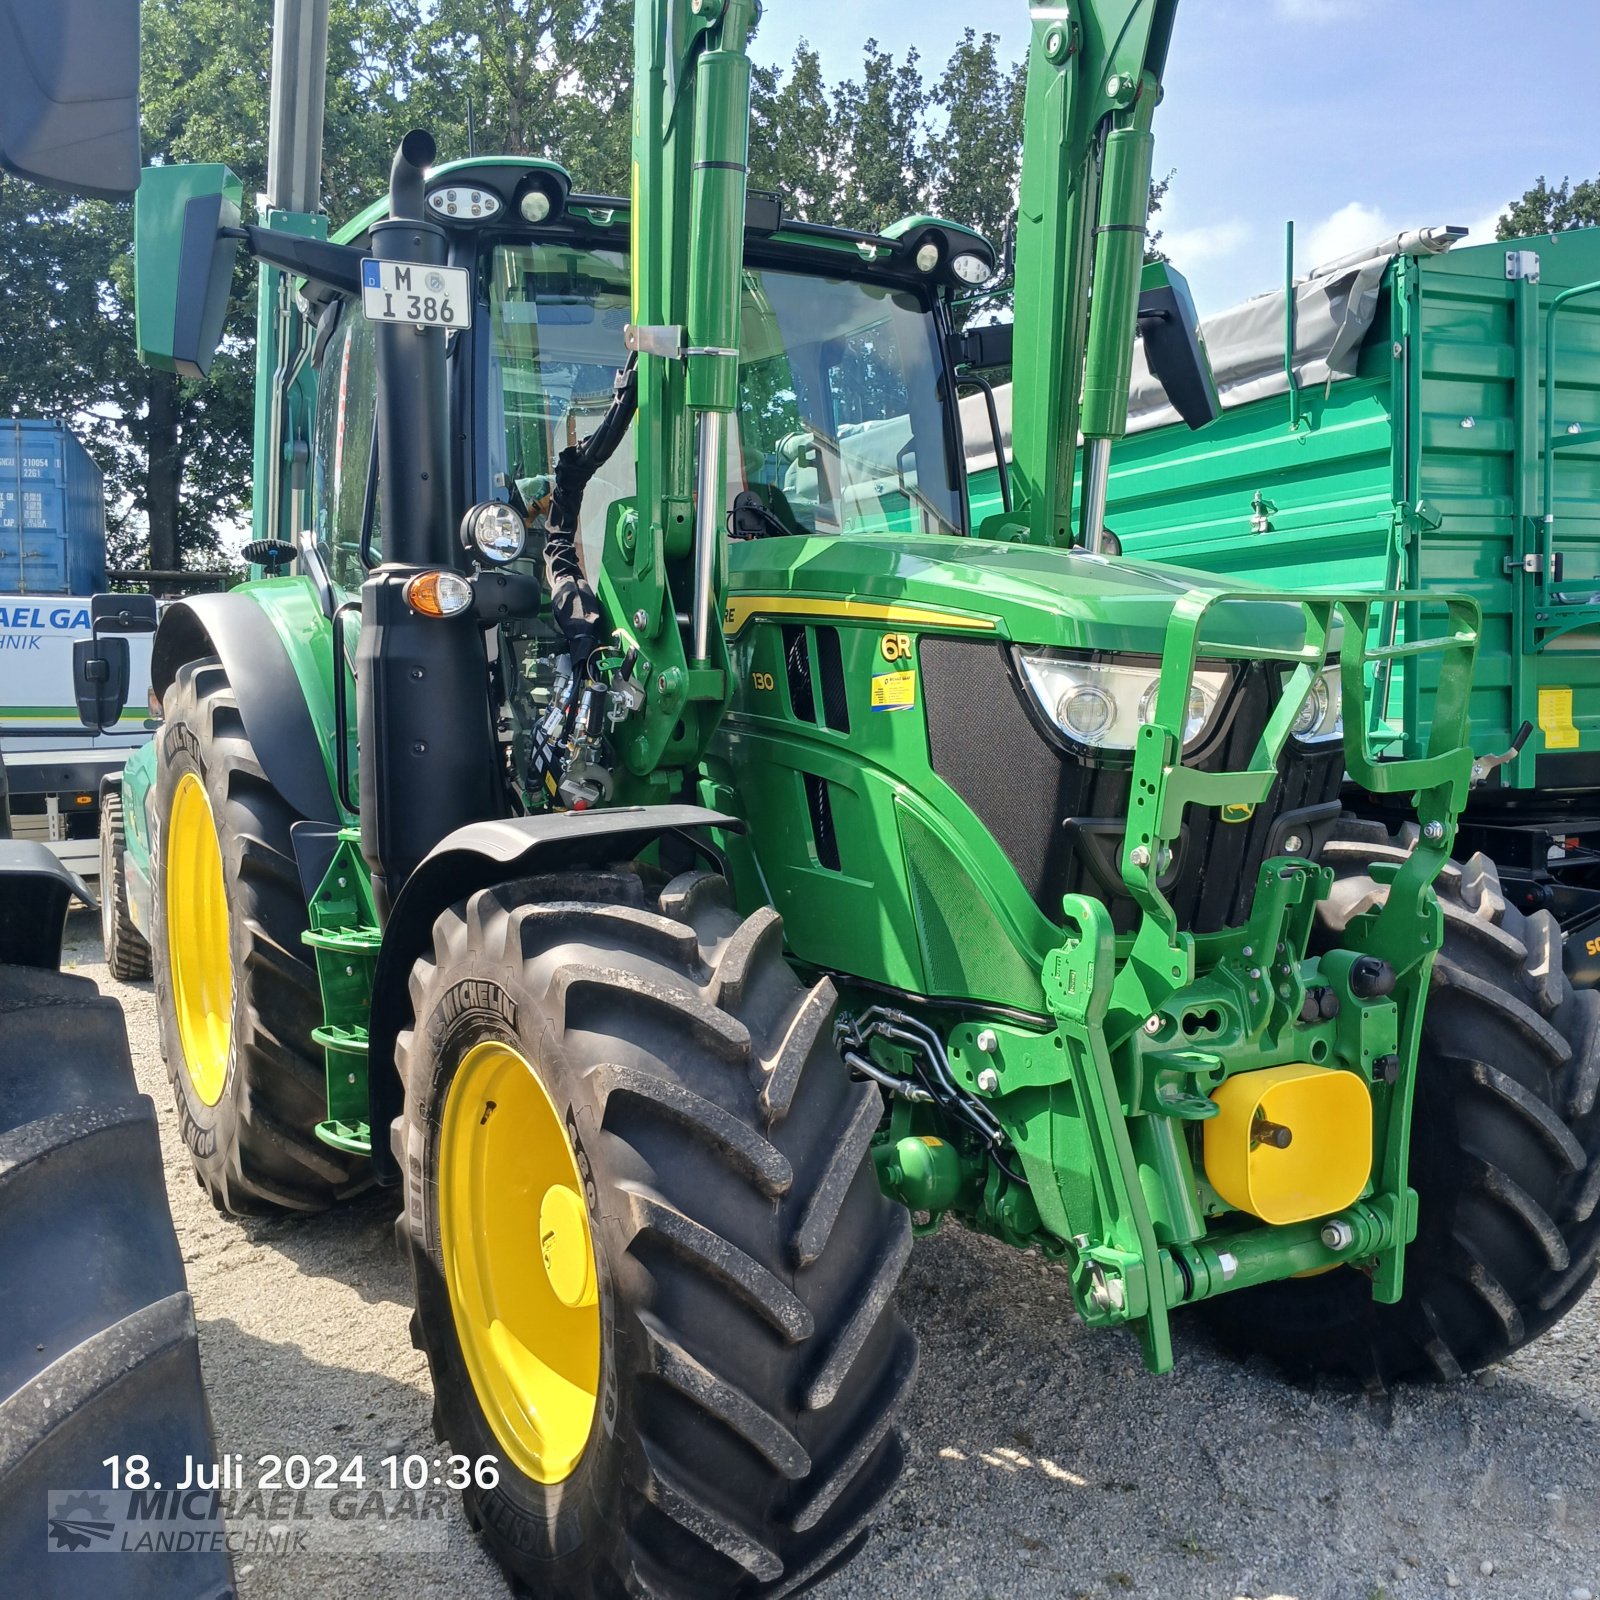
(519, 1261)
(198, 958)
(1290, 1143)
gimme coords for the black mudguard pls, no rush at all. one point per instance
(273, 706)
(36, 891)
(470, 859)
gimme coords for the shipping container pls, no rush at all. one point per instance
(52, 512)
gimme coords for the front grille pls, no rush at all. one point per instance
(1060, 819)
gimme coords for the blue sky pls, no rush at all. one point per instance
(1353, 117)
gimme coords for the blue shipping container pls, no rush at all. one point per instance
(52, 512)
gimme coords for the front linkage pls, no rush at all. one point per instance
(1200, 1113)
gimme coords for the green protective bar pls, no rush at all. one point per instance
(1163, 786)
(1118, 263)
(721, 148)
(1547, 508)
(1289, 325)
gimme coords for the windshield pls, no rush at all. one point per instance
(840, 426)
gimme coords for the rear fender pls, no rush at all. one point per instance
(473, 858)
(275, 644)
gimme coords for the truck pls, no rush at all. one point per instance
(639, 816)
(52, 562)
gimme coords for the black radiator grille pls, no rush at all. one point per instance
(1060, 820)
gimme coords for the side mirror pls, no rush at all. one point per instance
(182, 268)
(101, 666)
(100, 674)
(1174, 346)
(988, 346)
(69, 94)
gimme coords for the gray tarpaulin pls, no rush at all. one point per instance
(1334, 307)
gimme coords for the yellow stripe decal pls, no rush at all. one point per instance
(740, 608)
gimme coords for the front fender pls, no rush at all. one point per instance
(276, 645)
(473, 858)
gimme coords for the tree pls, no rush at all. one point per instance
(974, 160)
(176, 454)
(795, 142)
(1546, 209)
(550, 78)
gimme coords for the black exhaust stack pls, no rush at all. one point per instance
(427, 746)
(413, 412)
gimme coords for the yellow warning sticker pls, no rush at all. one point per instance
(894, 691)
(1555, 719)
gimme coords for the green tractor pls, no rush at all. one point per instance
(636, 816)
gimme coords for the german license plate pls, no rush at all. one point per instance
(408, 291)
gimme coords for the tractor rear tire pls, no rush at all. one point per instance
(249, 1104)
(98, 1349)
(127, 953)
(741, 1258)
(1505, 1151)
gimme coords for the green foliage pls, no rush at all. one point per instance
(1551, 209)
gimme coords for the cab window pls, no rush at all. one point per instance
(341, 452)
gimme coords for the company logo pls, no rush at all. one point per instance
(1238, 811)
(78, 1521)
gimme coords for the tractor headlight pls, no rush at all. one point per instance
(970, 268)
(494, 531)
(1321, 715)
(464, 202)
(1103, 704)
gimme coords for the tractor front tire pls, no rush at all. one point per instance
(127, 953)
(1505, 1151)
(654, 1271)
(236, 991)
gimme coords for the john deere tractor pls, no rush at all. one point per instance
(635, 815)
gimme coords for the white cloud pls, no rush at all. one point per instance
(1321, 11)
(1349, 228)
(1482, 231)
(1211, 241)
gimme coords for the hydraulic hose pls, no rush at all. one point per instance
(572, 598)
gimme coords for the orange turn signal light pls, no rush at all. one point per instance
(438, 594)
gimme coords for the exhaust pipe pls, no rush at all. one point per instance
(427, 748)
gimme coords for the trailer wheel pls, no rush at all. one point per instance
(1505, 1151)
(127, 954)
(653, 1266)
(236, 992)
(98, 1350)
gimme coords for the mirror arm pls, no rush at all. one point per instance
(338, 266)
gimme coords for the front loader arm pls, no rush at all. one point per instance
(666, 558)
(1094, 78)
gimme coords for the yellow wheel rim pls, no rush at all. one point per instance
(519, 1261)
(197, 939)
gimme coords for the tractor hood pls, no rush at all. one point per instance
(1030, 595)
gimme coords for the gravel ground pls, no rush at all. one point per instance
(1042, 1461)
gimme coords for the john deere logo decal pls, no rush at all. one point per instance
(1238, 811)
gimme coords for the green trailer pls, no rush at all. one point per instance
(1410, 442)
